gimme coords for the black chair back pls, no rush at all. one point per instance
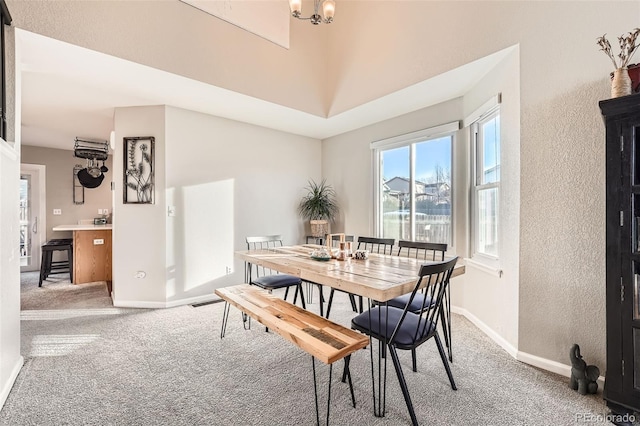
(435, 280)
(376, 245)
(423, 250)
(261, 243)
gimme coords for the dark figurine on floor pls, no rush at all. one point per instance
(583, 377)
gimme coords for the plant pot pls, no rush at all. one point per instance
(621, 83)
(319, 228)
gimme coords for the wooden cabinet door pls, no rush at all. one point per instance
(92, 256)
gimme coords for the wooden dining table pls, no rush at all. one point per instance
(379, 278)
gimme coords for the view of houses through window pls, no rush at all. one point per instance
(415, 191)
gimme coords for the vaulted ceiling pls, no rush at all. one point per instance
(70, 91)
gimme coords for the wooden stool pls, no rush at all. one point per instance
(49, 267)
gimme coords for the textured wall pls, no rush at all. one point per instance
(560, 282)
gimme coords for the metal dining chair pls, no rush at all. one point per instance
(430, 252)
(405, 330)
(374, 245)
(266, 278)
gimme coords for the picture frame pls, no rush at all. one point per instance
(138, 170)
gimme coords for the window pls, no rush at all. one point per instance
(413, 185)
(486, 184)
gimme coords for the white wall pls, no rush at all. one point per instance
(138, 229)
(10, 359)
(176, 37)
(228, 180)
(225, 180)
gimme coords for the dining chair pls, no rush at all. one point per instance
(431, 252)
(403, 329)
(267, 279)
(374, 245)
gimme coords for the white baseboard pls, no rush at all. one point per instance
(533, 360)
(10, 381)
(504, 344)
(139, 304)
(162, 305)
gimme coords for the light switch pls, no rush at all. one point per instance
(98, 241)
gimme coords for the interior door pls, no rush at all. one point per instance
(32, 230)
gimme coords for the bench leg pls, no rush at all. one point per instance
(315, 390)
(346, 374)
(225, 318)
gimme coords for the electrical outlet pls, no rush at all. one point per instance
(57, 212)
(105, 211)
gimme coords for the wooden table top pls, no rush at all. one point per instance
(380, 277)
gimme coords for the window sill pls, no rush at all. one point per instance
(484, 267)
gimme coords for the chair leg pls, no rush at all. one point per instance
(286, 293)
(445, 361)
(299, 287)
(321, 300)
(352, 299)
(403, 384)
(330, 301)
(414, 364)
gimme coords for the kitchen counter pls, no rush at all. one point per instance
(91, 252)
(82, 227)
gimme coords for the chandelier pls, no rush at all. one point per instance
(328, 10)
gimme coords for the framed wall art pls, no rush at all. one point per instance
(138, 170)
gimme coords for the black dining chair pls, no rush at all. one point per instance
(374, 245)
(429, 252)
(266, 278)
(405, 330)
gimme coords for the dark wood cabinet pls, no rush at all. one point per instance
(622, 384)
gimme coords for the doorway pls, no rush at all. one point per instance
(32, 215)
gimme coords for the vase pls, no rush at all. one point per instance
(621, 83)
(319, 228)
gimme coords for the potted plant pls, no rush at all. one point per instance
(319, 206)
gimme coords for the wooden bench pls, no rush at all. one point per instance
(322, 339)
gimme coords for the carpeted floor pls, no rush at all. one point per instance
(58, 293)
(170, 367)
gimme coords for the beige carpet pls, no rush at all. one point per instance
(59, 293)
(170, 367)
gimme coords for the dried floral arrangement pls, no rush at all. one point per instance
(628, 45)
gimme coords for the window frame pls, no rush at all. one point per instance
(476, 173)
(409, 140)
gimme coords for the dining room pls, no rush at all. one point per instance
(239, 136)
